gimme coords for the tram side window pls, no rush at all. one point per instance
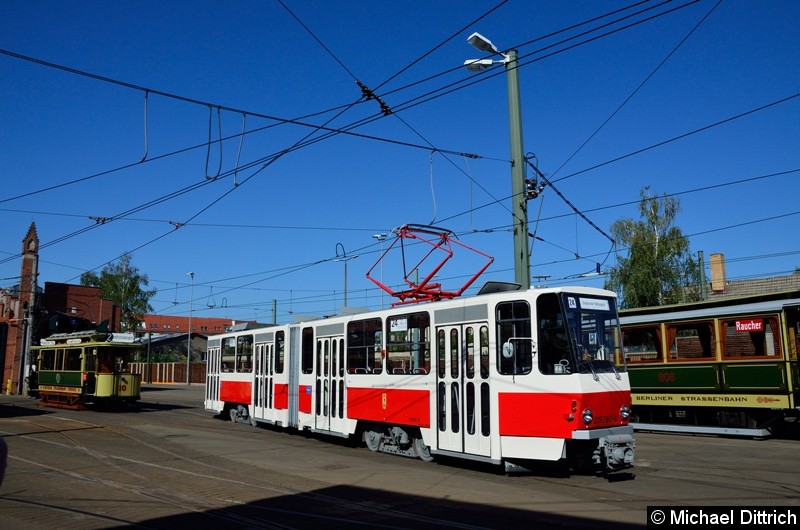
(59, 362)
(514, 352)
(364, 344)
(470, 343)
(90, 363)
(691, 341)
(280, 345)
(642, 344)
(553, 344)
(47, 360)
(73, 359)
(408, 346)
(307, 351)
(228, 354)
(484, 345)
(244, 353)
(751, 337)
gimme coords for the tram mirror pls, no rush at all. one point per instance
(508, 350)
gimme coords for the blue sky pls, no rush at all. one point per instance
(108, 108)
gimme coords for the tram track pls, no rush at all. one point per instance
(171, 464)
(132, 478)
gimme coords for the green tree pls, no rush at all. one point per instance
(659, 268)
(122, 283)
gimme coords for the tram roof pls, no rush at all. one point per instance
(712, 308)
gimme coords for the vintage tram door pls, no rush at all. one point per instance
(463, 388)
(329, 391)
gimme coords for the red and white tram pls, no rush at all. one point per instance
(506, 377)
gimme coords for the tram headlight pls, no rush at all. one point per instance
(587, 416)
(625, 412)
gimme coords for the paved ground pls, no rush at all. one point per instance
(172, 464)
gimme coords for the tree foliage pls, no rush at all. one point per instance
(122, 283)
(659, 268)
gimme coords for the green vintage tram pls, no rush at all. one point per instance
(726, 366)
(85, 368)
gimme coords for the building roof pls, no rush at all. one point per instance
(776, 284)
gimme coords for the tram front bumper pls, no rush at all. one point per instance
(615, 446)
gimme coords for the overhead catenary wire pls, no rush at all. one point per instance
(277, 120)
(237, 167)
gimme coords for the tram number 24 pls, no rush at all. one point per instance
(666, 377)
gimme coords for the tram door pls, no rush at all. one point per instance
(463, 388)
(329, 391)
(262, 383)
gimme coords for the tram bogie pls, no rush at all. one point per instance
(508, 377)
(85, 369)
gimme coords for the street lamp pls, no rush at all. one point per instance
(345, 258)
(518, 194)
(189, 340)
(381, 237)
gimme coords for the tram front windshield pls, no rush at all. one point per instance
(595, 337)
(577, 334)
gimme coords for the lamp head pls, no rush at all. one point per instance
(476, 65)
(482, 43)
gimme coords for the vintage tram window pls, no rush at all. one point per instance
(244, 353)
(750, 337)
(364, 344)
(642, 344)
(691, 341)
(514, 352)
(73, 359)
(484, 346)
(91, 362)
(307, 351)
(408, 344)
(59, 362)
(47, 360)
(280, 344)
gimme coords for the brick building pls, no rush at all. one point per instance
(28, 314)
(17, 305)
(180, 324)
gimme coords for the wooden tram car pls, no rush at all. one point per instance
(506, 377)
(726, 366)
(85, 368)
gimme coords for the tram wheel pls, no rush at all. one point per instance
(373, 440)
(423, 451)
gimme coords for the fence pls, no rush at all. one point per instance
(170, 372)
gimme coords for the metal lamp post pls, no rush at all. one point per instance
(189, 340)
(345, 258)
(518, 193)
(381, 238)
